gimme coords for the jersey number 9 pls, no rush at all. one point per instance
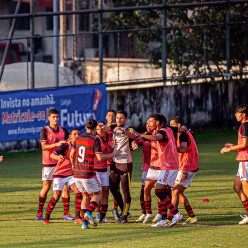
(81, 153)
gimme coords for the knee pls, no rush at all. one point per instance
(236, 188)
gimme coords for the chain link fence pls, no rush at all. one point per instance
(165, 42)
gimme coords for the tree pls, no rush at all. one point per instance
(196, 36)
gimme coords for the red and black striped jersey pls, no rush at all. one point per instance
(86, 146)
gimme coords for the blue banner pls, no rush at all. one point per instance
(24, 113)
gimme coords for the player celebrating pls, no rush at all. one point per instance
(100, 167)
(188, 166)
(51, 137)
(87, 146)
(63, 175)
(241, 181)
(166, 158)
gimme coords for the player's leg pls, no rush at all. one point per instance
(66, 203)
(142, 201)
(47, 179)
(149, 183)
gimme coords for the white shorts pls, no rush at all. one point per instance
(243, 171)
(47, 173)
(167, 177)
(103, 177)
(59, 182)
(185, 179)
(143, 178)
(91, 185)
(152, 174)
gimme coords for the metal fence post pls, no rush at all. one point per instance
(32, 60)
(100, 41)
(56, 43)
(228, 38)
(164, 45)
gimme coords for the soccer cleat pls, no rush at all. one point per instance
(157, 218)
(78, 221)
(141, 218)
(46, 222)
(85, 225)
(123, 220)
(129, 215)
(88, 216)
(98, 216)
(105, 220)
(147, 218)
(68, 217)
(116, 214)
(176, 218)
(244, 220)
(39, 216)
(190, 220)
(162, 223)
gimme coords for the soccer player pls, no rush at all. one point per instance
(188, 166)
(164, 156)
(121, 167)
(111, 122)
(146, 155)
(101, 169)
(241, 181)
(87, 146)
(51, 137)
(63, 175)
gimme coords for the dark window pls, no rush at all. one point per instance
(49, 20)
(21, 23)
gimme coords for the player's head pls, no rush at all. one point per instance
(121, 118)
(74, 134)
(176, 122)
(241, 112)
(91, 124)
(99, 126)
(53, 117)
(110, 116)
(163, 120)
(155, 121)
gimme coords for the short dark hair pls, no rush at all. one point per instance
(159, 117)
(243, 108)
(91, 124)
(74, 129)
(101, 121)
(178, 120)
(122, 112)
(53, 111)
(111, 110)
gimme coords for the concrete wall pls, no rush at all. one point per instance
(209, 105)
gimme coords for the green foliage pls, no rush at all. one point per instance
(196, 36)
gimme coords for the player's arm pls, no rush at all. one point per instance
(72, 155)
(1, 159)
(230, 147)
(156, 137)
(98, 152)
(45, 146)
(182, 148)
(59, 153)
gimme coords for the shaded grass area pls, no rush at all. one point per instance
(218, 219)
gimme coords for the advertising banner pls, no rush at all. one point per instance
(24, 113)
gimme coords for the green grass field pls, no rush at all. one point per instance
(20, 184)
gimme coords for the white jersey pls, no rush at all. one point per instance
(122, 144)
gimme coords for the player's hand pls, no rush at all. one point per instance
(116, 153)
(61, 158)
(1, 159)
(225, 149)
(118, 130)
(134, 145)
